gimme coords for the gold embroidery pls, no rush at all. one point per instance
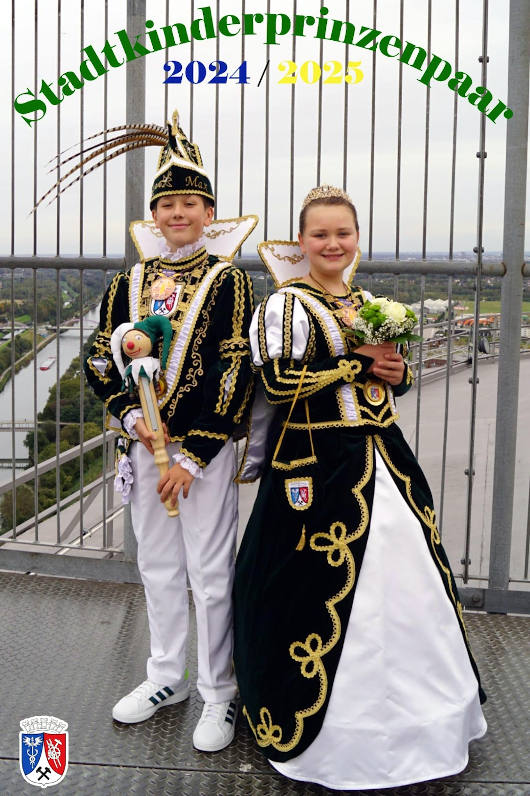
(343, 423)
(101, 376)
(239, 304)
(288, 325)
(262, 340)
(113, 288)
(313, 380)
(117, 395)
(214, 233)
(276, 465)
(186, 452)
(166, 181)
(309, 653)
(270, 245)
(199, 432)
(197, 333)
(246, 398)
(266, 731)
(234, 346)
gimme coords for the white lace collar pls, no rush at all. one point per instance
(183, 251)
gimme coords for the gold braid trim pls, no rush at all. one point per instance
(197, 333)
(262, 340)
(246, 398)
(313, 381)
(199, 432)
(113, 289)
(224, 402)
(344, 423)
(225, 398)
(192, 456)
(239, 304)
(234, 346)
(428, 517)
(119, 395)
(102, 377)
(288, 325)
(309, 653)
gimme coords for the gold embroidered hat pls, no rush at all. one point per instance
(179, 168)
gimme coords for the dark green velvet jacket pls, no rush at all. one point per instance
(208, 372)
(299, 562)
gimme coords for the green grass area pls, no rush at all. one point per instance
(23, 318)
(493, 307)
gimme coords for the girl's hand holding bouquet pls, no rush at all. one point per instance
(377, 327)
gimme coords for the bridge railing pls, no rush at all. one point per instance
(86, 532)
(265, 157)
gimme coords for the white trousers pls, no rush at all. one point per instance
(200, 542)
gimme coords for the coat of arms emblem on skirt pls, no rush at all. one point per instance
(299, 492)
(43, 753)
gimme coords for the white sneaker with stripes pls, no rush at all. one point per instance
(145, 700)
(216, 726)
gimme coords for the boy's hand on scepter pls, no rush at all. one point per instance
(144, 435)
(172, 482)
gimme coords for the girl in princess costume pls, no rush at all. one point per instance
(350, 648)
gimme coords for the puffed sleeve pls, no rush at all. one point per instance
(282, 336)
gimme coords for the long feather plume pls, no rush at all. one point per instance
(113, 142)
(127, 148)
(145, 128)
(136, 137)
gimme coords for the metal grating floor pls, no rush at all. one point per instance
(71, 648)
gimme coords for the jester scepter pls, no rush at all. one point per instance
(136, 341)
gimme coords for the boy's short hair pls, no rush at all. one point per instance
(206, 201)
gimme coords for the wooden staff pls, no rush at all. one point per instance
(153, 422)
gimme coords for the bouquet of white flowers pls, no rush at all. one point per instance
(384, 321)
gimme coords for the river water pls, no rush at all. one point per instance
(69, 346)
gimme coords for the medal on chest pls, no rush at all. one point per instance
(165, 294)
(347, 314)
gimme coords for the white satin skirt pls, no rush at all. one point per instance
(405, 703)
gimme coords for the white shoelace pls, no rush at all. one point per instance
(145, 689)
(213, 711)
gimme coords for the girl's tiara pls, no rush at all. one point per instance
(323, 192)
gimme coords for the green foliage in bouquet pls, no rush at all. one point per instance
(384, 321)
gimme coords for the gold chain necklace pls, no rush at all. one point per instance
(344, 312)
(167, 282)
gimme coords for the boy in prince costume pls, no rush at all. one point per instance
(208, 390)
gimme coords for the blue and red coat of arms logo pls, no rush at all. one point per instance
(299, 492)
(43, 752)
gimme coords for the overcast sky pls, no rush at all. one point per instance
(304, 167)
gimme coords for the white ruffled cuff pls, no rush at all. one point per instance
(124, 479)
(129, 422)
(188, 464)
